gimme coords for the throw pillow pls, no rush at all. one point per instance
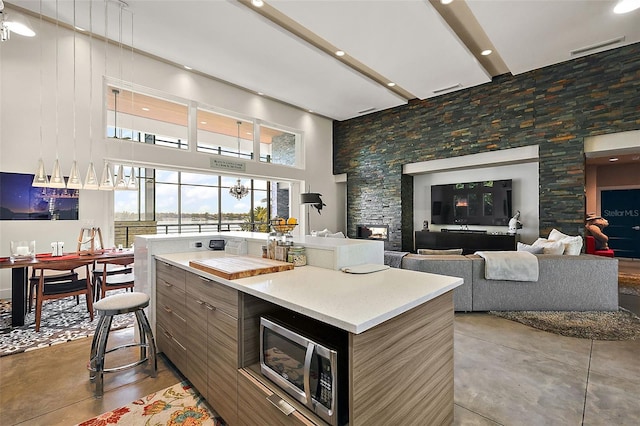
(556, 235)
(530, 248)
(549, 247)
(440, 252)
(572, 244)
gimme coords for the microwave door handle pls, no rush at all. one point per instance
(307, 372)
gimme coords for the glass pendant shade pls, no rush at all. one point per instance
(106, 182)
(132, 182)
(121, 182)
(57, 180)
(40, 179)
(74, 182)
(91, 180)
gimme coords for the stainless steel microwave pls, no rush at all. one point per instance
(304, 368)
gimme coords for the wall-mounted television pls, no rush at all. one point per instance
(472, 203)
(373, 232)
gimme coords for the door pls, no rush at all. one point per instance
(621, 207)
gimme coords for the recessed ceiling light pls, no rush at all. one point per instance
(80, 29)
(486, 52)
(145, 109)
(626, 6)
(310, 110)
(339, 52)
(446, 1)
(203, 122)
(257, 3)
(612, 159)
(391, 84)
(186, 67)
(261, 93)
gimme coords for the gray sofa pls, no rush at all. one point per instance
(565, 283)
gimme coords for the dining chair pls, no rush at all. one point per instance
(72, 285)
(114, 279)
(111, 269)
(34, 279)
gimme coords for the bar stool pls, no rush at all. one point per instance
(107, 308)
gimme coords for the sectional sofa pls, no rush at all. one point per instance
(565, 283)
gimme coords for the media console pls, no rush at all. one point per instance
(468, 241)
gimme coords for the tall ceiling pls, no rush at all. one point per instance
(286, 49)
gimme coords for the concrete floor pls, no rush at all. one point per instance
(505, 373)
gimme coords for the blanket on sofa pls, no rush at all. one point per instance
(509, 265)
(394, 258)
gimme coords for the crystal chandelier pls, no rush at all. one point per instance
(238, 190)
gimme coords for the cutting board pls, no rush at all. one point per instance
(234, 267)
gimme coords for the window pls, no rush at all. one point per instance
(198, 202)
(147, 119)
(280, 147)
(224, 135)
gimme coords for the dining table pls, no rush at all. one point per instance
(20, 275)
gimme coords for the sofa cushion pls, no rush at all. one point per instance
(549, 247)
(439, 252)
(530, 248)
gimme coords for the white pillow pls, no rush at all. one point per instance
(530, 249)
(336, 235)
(572, 244)
(549, 247)
(556, 235)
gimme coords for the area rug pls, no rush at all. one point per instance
(596, 325)
(62, 321)
(179, 404)
(629, 283)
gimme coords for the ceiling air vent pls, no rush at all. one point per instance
(446, 89)
(600, 45)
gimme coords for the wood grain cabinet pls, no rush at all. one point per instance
(170, 313)
(263, 407)
(212, 342)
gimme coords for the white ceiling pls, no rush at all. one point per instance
(405, 41)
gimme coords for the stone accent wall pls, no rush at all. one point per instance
(554, 107)
(283, 149)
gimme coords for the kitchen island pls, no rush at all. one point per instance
(399, 325)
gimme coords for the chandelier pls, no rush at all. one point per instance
(238, 190)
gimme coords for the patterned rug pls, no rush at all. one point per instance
(176, 405)
(62, 321)
(596, 325)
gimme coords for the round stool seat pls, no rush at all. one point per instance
(122, 303)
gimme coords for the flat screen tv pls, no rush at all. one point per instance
(472, 203)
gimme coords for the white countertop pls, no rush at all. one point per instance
(352, 302)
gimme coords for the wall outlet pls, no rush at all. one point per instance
(195, 244)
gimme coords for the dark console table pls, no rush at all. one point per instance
(468, 241)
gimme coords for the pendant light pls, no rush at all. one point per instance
(238, 190)
(74, 181)
(106, 181)
(40, 179)
(91, 179)
(57, 180)
(132, 181)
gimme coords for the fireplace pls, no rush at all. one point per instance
(373, 232)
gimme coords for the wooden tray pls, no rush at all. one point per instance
(234, 267)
